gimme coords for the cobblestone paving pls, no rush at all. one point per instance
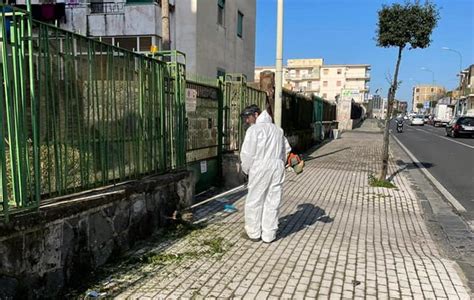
(339, 238)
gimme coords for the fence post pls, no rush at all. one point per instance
(220, 127)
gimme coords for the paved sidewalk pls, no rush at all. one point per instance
(339, 238)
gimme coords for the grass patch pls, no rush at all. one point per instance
(153, 256)
(375, 182)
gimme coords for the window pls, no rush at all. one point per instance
(240, 24)
(310, 85)
(145, 43)
(220, 12)
(432, 90)
(338, 83)
(297, 85)
(417, 98)
(325, 95)
(129, 43)
(325, 83)
(220, 72)
(417, 90)
(325, 71)
(133, 43)
(297, 72)
(339, 71)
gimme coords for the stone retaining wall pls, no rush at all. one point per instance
(43, 252)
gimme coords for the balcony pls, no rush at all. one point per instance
(310, 76)
(365, 76)
(107, 8)
(468, 91)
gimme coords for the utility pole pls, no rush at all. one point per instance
(165, 24)
(279, 65)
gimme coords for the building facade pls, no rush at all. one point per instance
(424, 93)
(303, 75)
(216, 36)
(313, 77)
(465, 96)
(336, 78)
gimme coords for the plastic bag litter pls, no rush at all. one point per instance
(230, 208)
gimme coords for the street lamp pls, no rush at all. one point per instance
(279, 65)
(428, 70)
(460, 57)
(460, 70)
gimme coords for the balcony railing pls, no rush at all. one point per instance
(468, 91)
(358, 76)
(303, 76)
(107, 7)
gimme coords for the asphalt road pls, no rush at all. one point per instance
(450, 161)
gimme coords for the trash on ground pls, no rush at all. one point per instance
(230, 208)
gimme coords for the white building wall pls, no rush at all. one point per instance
(219, 46)
(185, 35)
(194, 31)
(329, 88)
(124, 23)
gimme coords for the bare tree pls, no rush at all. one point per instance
(399, 26)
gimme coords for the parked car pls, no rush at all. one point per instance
(460, 126)
(417, 120)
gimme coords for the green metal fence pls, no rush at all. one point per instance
(237, 95)
(204, 129)
(77, 113)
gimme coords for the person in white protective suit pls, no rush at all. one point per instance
(263, 157)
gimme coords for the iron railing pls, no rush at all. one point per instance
(107, 7)
(77, 113)
(237, 95)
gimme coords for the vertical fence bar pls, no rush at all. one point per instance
(4, 98)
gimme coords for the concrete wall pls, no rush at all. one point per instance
(219, 46)
(65, 240)
(123, 23)
(186, 33)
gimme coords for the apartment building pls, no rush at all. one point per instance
(216, 36)
(336, 78)
(313, 77)
(423, 93)
(303, 75)
(465, 101)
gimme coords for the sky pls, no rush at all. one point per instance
(344, 31)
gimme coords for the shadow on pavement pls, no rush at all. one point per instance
(306, 215)
(409, 166)
(326, 154)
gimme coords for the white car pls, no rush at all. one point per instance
(418, 120)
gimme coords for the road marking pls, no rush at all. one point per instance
(448, 139)
(433, 180)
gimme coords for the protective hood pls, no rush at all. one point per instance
(264, 117)
(263, 142)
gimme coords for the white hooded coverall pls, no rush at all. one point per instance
(263, 157)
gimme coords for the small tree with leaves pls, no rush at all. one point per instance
(419, 106)
(403, 25)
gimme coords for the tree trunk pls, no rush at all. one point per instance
(165, 22)
(391, 98)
